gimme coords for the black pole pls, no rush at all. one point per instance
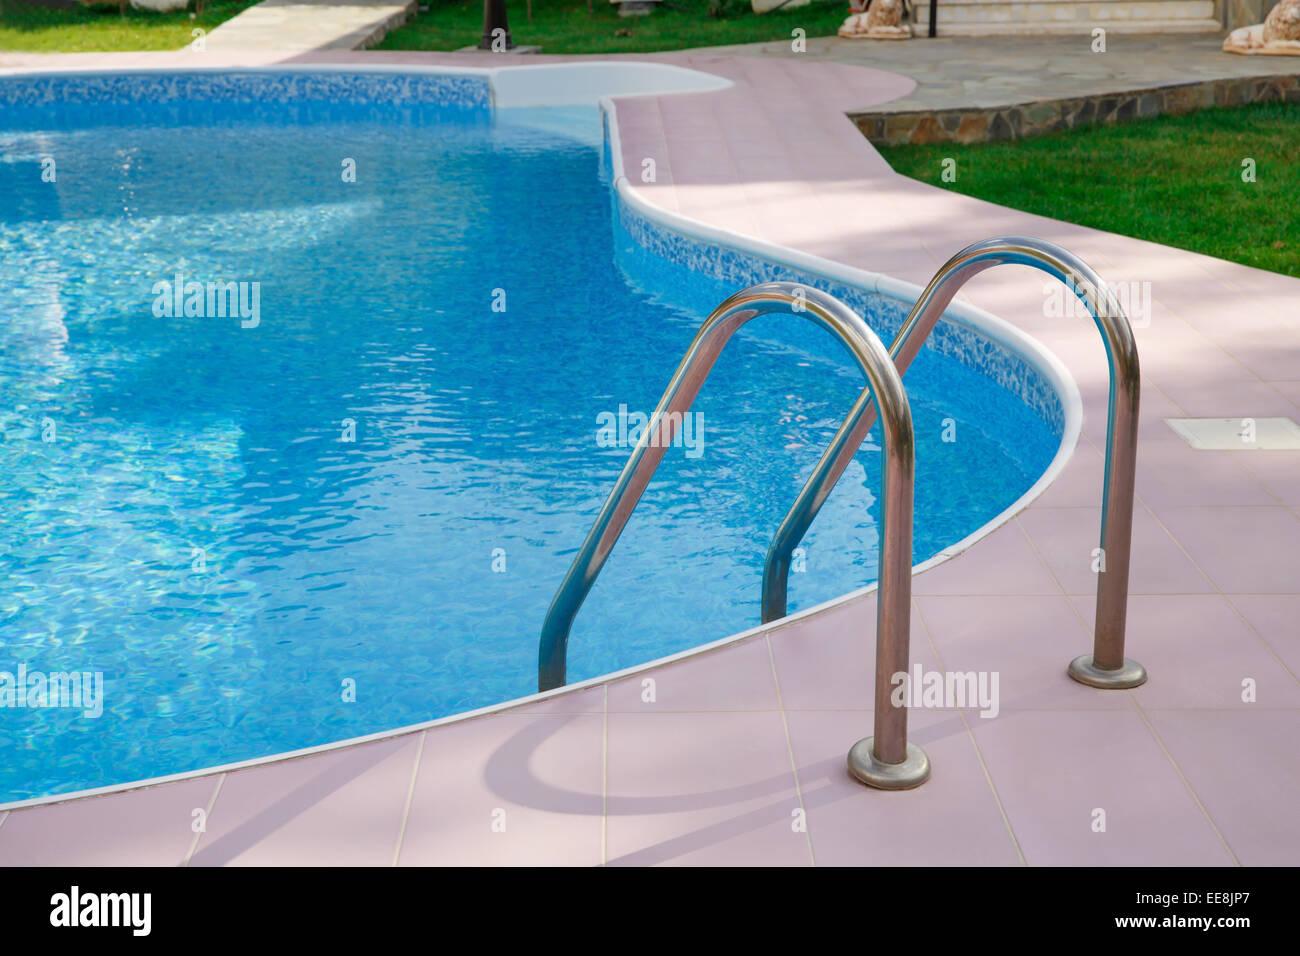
(933, 10)
(494, 18)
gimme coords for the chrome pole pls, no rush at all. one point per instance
(1106, 667)
(887, 760)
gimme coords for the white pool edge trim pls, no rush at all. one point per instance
(984, 323)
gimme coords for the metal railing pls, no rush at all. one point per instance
(1106, 667)
(886, 760)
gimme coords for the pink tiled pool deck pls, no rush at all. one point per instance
(740, 759)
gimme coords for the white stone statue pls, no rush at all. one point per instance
(1278, 34)
(884, 21)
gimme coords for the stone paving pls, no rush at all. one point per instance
(977, 88)
(978, 124)
(302, 25)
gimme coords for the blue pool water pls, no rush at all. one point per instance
(198, 529)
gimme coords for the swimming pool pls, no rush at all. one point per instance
(343, 504)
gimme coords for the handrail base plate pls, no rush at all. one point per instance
(1085, 670)
(911, 773)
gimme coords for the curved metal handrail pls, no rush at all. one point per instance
(1106, 666)
(887, 760)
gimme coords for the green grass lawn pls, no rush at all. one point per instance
(559, 26)
(565, 26)
(1175, 180)
(104, 28)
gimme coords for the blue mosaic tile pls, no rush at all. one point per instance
(885, 315)
(445, 89)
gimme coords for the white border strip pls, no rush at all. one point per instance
(998, 330)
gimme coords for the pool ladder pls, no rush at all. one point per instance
(887, 760)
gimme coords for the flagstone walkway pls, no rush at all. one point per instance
(301, 25)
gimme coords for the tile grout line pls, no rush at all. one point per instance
(1033, 546)
(1223, 595)
(1258, 480)
(1010, 707)
(604, 774)
(789, 747)
(1138, 500)
(1218, 590)
(663, 141)
(1089, 629)
(1232, 359)
(212, 803)
(970, 734)
(740, 182)
(997, 797)
(1263, 640)
(1183, 413)
(1221, 348)
(1186, 783)
(1151, 727)
(410, 797)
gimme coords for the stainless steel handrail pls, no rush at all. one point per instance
(887, 760)
(1107, 666)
